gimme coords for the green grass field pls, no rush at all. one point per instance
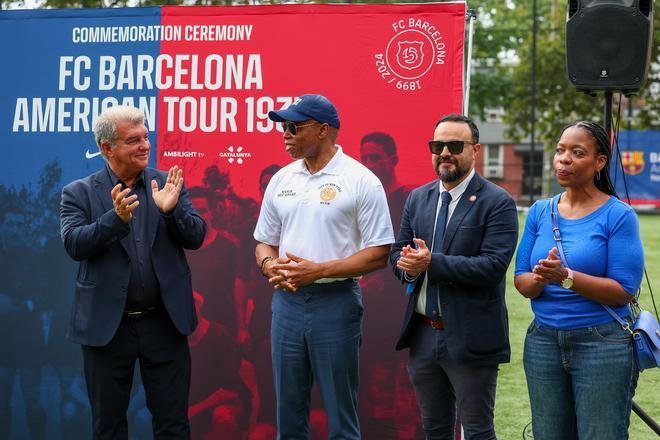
(512, 411)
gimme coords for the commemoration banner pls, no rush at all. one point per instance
(206, 78)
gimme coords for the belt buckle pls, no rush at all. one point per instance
(437, 324)
(138, 313)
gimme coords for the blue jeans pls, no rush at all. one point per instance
(315, 336)
(581, 382)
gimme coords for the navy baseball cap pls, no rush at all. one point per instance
(316, 107)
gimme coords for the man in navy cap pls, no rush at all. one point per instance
(324, 222)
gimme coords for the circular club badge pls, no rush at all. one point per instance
(411, 53)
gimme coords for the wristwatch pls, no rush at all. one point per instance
(567, 282)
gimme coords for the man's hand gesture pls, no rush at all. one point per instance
(167, 197)
(298, 271)
(415, 261)
(123, 203)
(277, 277)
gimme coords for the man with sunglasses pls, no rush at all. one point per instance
(324, 222)
(456, 240)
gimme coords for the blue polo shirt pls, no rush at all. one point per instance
(605, 243)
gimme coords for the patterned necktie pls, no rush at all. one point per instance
(431, 287)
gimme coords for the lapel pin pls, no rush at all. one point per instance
(472, 198)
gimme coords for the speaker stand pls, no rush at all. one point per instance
(608, 113)
(646, 418)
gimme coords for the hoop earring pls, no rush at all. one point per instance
(598, 175)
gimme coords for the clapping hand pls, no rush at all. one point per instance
(549, 270)
(167, 197)
(414, 261)
(123, 203)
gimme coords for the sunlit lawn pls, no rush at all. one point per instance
(512, 412)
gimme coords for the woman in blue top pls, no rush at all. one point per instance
(579, 364)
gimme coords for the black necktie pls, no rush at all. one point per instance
(431, 287)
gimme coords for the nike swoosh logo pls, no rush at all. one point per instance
(89, 155)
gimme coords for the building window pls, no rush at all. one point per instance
(493, 161)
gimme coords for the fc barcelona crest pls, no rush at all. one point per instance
(633, 162)
(418, 45)
(410, 55)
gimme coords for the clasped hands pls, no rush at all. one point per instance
(549, 270)
(165, 198)
(291, 272)
(414, 260)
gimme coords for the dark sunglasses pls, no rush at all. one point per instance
(454, 147)
(292, 128)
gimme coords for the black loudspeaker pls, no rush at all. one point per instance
(608, 44)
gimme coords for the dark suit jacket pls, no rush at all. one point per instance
(478, 245)
(95, 236)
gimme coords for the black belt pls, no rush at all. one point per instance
(134, 314)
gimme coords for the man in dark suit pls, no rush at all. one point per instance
(456, 240)
(128, 224)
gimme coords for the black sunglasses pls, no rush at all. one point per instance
(292, 128)
(454, 147)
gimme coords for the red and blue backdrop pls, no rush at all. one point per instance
(206, 78)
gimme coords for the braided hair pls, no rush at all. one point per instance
(601, 180)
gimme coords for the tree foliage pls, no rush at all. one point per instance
(649, 115)
(506, 81)
(497, 36)
(557, 101)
